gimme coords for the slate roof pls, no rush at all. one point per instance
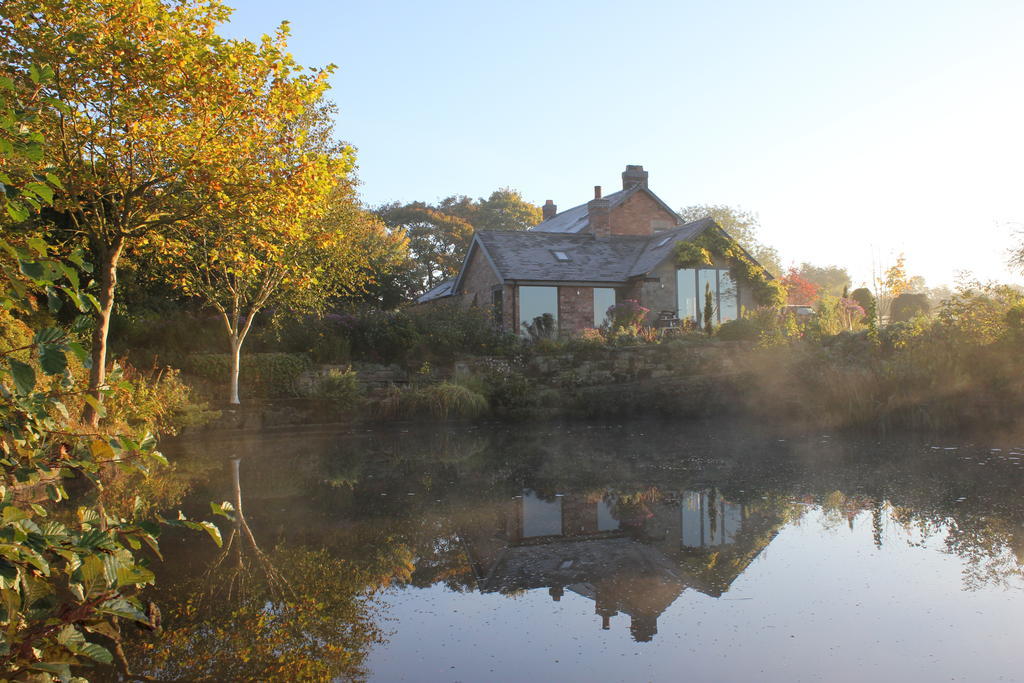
(576, 219)
(659, 246)
(530, 256)
(442, 290)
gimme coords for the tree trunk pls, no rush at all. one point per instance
(236, 358)
(108, 255)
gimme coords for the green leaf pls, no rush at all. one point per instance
(52, 359)
(120, 607)
(23, 374)
(60, 669)
(38, 245)
(81, 354)
(34, 151)
(32, 269)
(41, 190)
(14, 514)
(223, 509)
(131, 575)
(96, 405)
(47, 335)
(33, 73)
(214, 532)
(17, 211)
(159, 457)
(95, 652)
(53, 302)
(71, 274)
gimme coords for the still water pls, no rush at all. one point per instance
(717, 551)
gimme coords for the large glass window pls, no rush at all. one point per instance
(691, 284)
(686, 287)
(604, 298)
(535, 302)
(541, 517)
(728, 297)
(706, 277)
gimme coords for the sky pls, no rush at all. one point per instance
(855, 131)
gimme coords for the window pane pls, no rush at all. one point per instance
(541, 517)
(686, 293)
(707, 276)
(604, 298)
(535, 302)
(728, 297)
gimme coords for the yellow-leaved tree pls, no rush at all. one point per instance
(291, 246)
(159, 121)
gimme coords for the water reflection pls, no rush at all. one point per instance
(637, 523)
(629, 553)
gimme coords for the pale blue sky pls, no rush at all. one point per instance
(855, 130)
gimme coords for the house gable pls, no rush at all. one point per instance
(478, 272)
(641, 213)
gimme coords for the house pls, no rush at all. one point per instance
(577, 263)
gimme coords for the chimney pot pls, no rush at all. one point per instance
(634, 175)
(549, 209)
(599, 216)
(597, 191)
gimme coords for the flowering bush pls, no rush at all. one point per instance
(850, 312)
(628, 314)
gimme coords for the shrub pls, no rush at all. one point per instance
(907, 306)
(340, 387)
(166, 336)
(742, 329)
(263, 375)
(628, 314)
(542, 328)
(510, 393)
(443, 401)
(450, 330)
(156, 400)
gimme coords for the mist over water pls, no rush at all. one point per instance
(722, 550)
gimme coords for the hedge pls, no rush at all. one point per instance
(262, 375)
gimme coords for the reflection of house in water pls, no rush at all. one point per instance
(629, 554)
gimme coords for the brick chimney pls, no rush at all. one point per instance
(549, 209)
(598, 215)
(634, 175)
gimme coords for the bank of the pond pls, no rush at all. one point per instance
(848, 383)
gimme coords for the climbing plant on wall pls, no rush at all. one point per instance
(713, 244)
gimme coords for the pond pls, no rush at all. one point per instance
(711, 551)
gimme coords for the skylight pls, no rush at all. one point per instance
(561, 255)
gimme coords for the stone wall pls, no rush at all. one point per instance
(594, 367)
(479, 286)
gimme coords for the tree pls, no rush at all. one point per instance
(292, 245)
(892, 284)
(440, 234)
(830, 280)
(437, 240)
(799, 290)
(69, 570)
(742, 226)
(161, 119)
(909, 305)
(290, 612)
(709, 310)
